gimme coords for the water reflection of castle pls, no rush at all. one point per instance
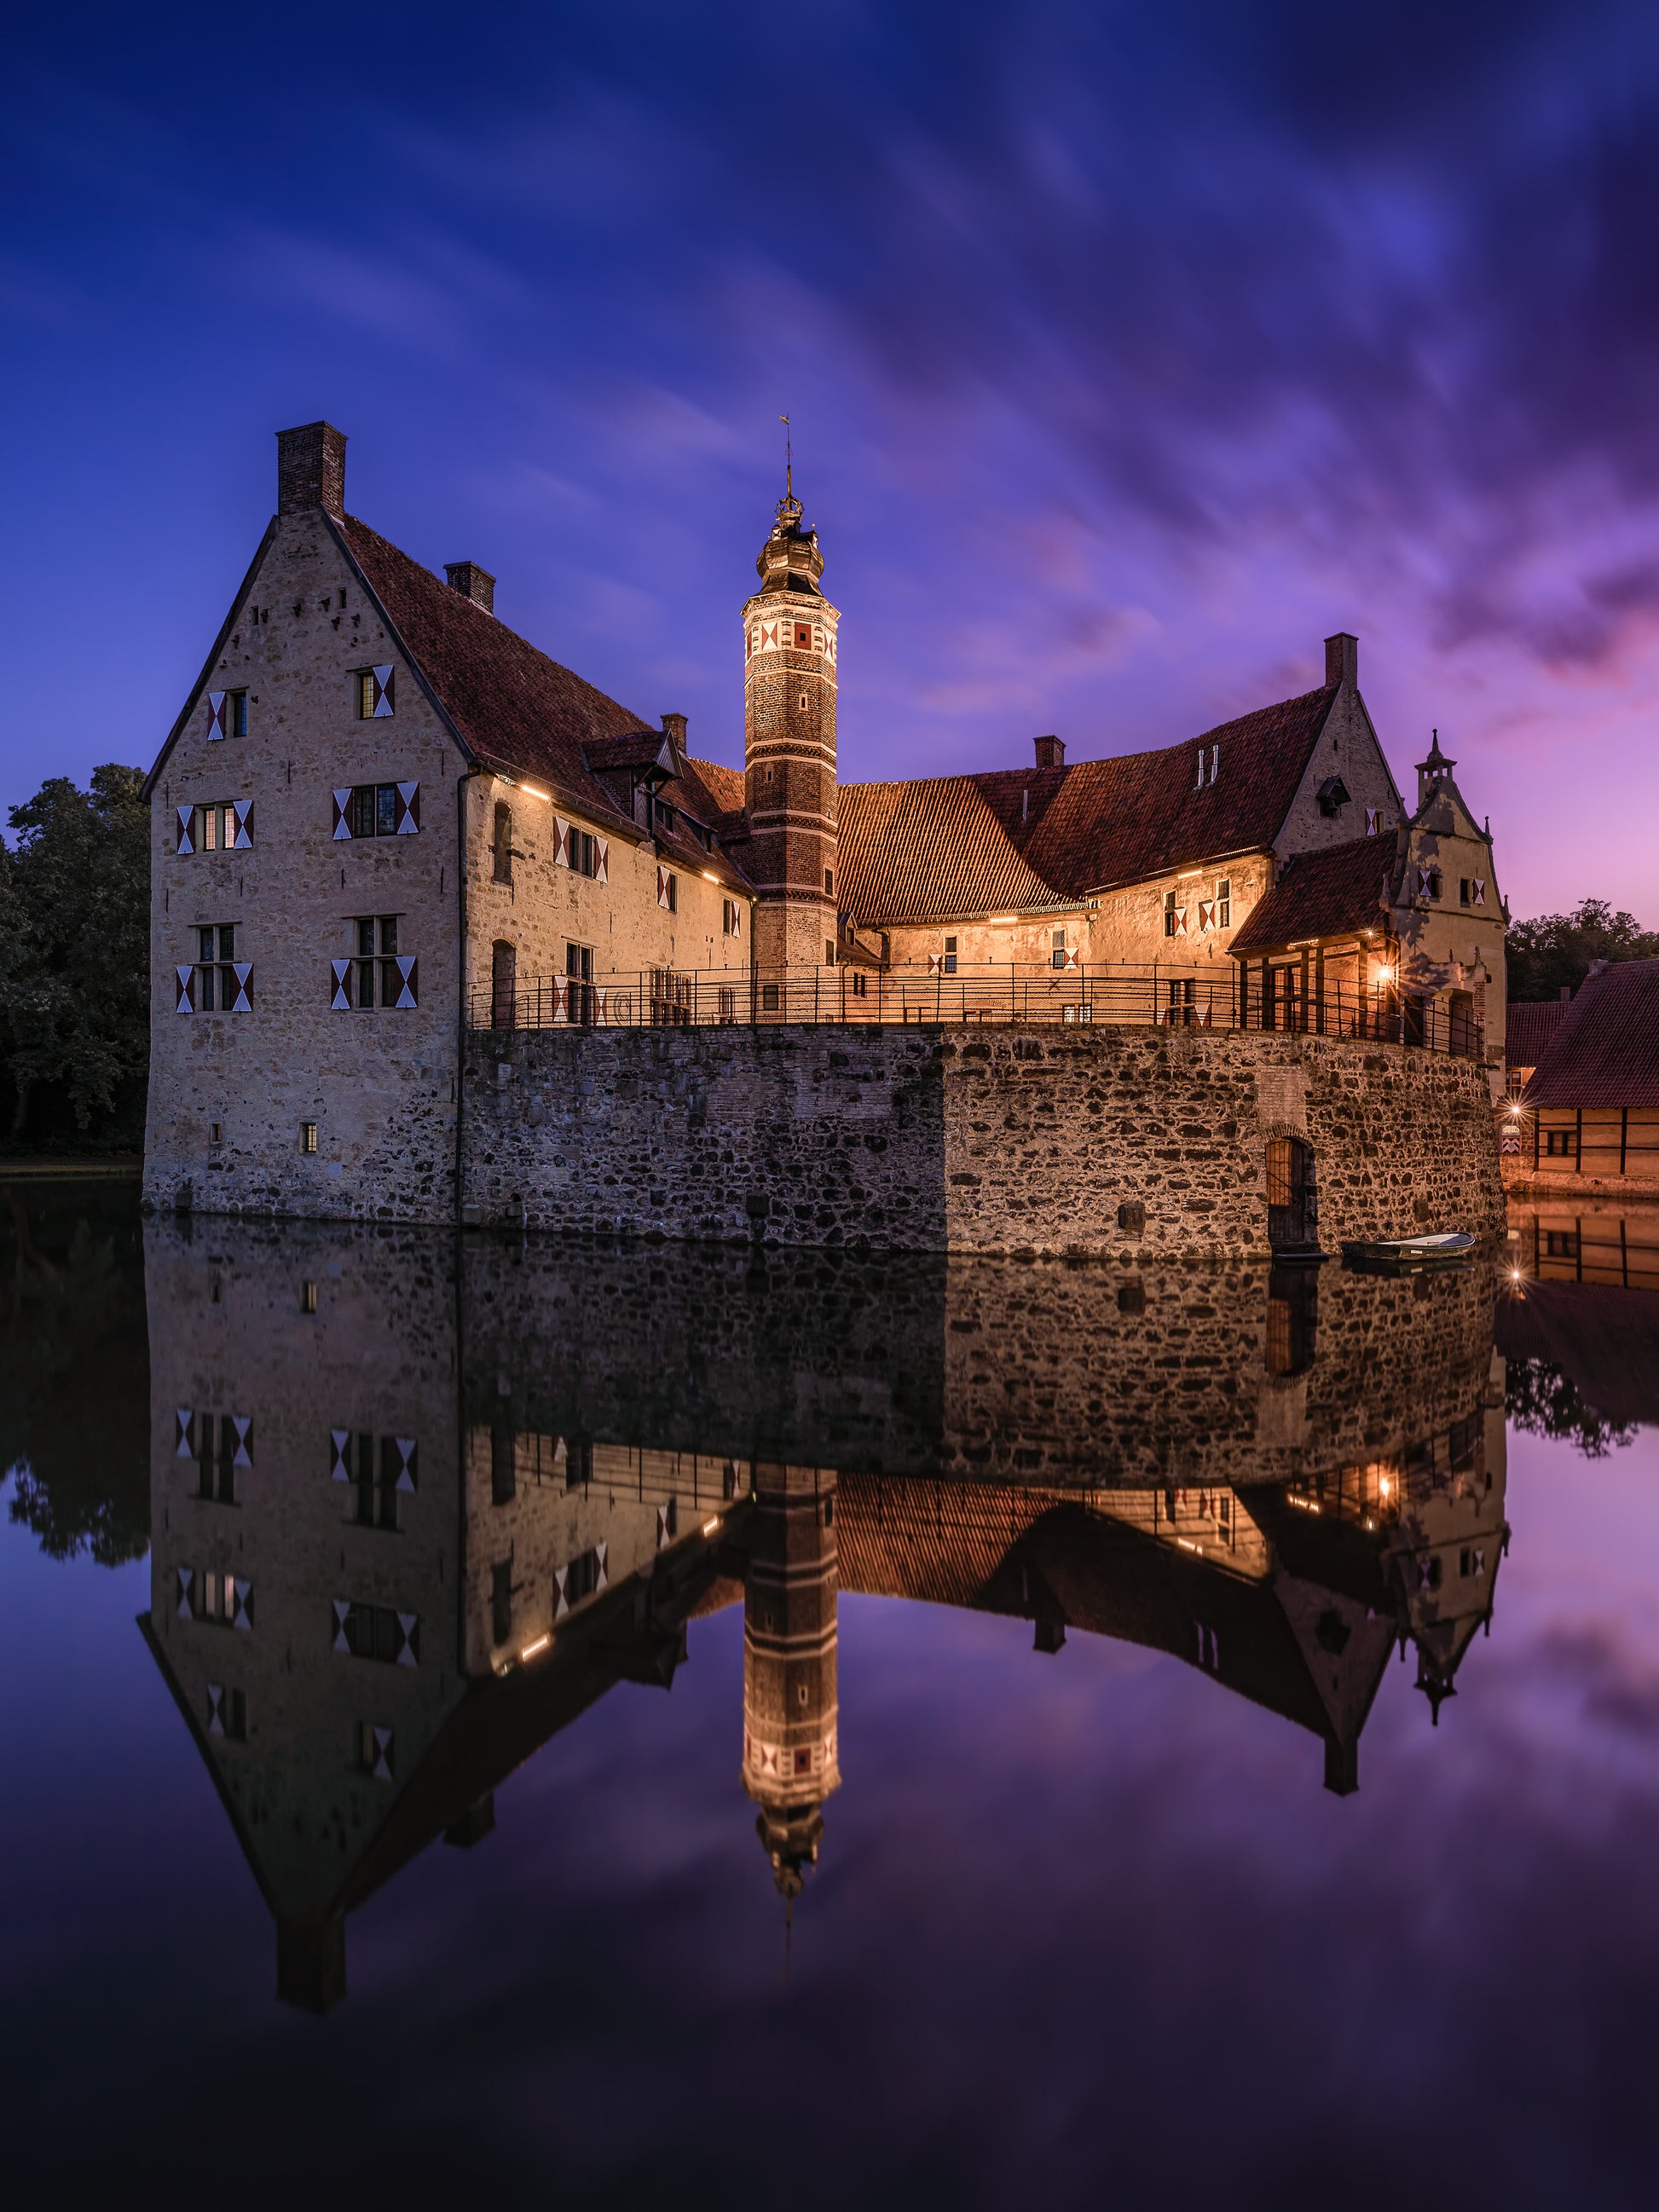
(416, 1504)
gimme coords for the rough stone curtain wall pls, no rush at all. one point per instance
(967, 1368)
(920, 1140)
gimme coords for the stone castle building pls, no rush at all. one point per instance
(383, 819)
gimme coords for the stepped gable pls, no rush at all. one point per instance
(1529, 1027)
(947, 847)
(1606, 1051)
(1331, 893)
(514, 709)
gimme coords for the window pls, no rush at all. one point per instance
(1169, 914)
(727, 1005)
(217, 982)
(1462, 891)
(828, 883)
(662, 814)
(377, 810)
(1561, 1244)
(1373, 820)
(1560, 1144)
(376, 1632)
(1428, 883)
(224, 1600)
(372, 1750)
(1223, 902)
(768, 998)
(828, 951)
(860, 984)
(583, 1576)
(1471, 1562)
(580, 998)
(950, 956)
(226, 1713)
(380, 1469)
(308, 1298)
(667, 891)
(374, 690)
(501, 845)
(216, 1132)
(308, 1136)
(214, 828)
(1180, 1009)
(377, 975)
(220, 1444)
(1057, 957)
(584, 851)
(731, 918)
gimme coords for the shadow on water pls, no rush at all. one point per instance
(417, 1502)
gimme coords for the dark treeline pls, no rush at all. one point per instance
(75, 1368)
(74, 967)
(1553, 953)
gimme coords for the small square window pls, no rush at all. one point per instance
(216, 1132)
(308, 1136)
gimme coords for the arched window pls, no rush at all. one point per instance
(503, 844)
(504, 980)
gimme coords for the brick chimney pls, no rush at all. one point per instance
(1342, 660)
(472, 582)
(311, 470)
(1050, 752)
(674, 728)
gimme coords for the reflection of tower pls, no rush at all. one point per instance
(789, 1712)
(789, 747)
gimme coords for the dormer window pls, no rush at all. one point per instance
(1332, 796)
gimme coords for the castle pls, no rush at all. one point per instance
(507, 847)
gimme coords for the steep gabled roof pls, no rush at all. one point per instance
(1529, 1027)
(1334, 893)
(948, 847)
(512, 707)
(1606, 1051)
(516, 710)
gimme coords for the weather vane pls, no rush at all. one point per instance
(788, 459)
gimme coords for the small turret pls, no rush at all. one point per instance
(1437, 768)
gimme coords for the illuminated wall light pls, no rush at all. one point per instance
(536, 792)
(710, 1527)
(531, 1649)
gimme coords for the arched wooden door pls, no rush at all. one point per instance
(1289, 1190)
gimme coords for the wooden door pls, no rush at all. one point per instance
(1287, 1191)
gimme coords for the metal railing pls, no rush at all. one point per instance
(1002, 995)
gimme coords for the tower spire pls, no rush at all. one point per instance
(789, 507)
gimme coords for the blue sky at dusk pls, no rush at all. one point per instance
(1129, 350)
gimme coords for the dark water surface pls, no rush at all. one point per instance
(683, 1723)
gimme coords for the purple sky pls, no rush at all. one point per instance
(1129, 350)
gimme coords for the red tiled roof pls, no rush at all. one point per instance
(951, 847)
(1334, 893)
(1606, 1051)
(1529, 1025)
(514, 709)
(517, 710)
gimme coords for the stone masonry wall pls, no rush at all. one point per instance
(928, 1140)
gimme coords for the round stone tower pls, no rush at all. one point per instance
(789, 1702)
(789, 748)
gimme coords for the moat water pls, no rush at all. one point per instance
(662, 1726)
